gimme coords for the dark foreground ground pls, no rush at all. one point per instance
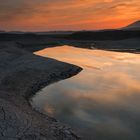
(22, 74)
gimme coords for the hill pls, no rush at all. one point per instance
(133, 26)
(105, 35)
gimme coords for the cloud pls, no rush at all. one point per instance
(67, 14)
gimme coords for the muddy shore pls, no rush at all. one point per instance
(22, 74)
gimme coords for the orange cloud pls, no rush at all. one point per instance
(67, 14)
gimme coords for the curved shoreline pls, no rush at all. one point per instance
(22, 74)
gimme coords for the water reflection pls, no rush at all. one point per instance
(103, 101)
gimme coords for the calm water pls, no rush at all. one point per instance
(103, 101)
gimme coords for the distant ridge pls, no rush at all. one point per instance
(133, 26)
(2, 31)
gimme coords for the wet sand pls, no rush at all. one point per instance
(22, 74)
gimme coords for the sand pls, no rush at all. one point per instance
(22, 74)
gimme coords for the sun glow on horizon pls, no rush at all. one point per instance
(40, 15)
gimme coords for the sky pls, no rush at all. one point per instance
(48, 15)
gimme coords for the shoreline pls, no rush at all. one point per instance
(22, 75)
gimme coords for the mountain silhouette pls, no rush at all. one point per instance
(133, 26)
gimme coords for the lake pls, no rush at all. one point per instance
(102, 102)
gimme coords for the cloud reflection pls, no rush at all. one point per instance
(103, 104)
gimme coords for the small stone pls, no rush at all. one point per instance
(67, 132)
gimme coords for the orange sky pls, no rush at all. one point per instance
(45, 15)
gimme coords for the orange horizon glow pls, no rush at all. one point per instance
(40, 15)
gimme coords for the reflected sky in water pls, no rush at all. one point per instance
(103, 101)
